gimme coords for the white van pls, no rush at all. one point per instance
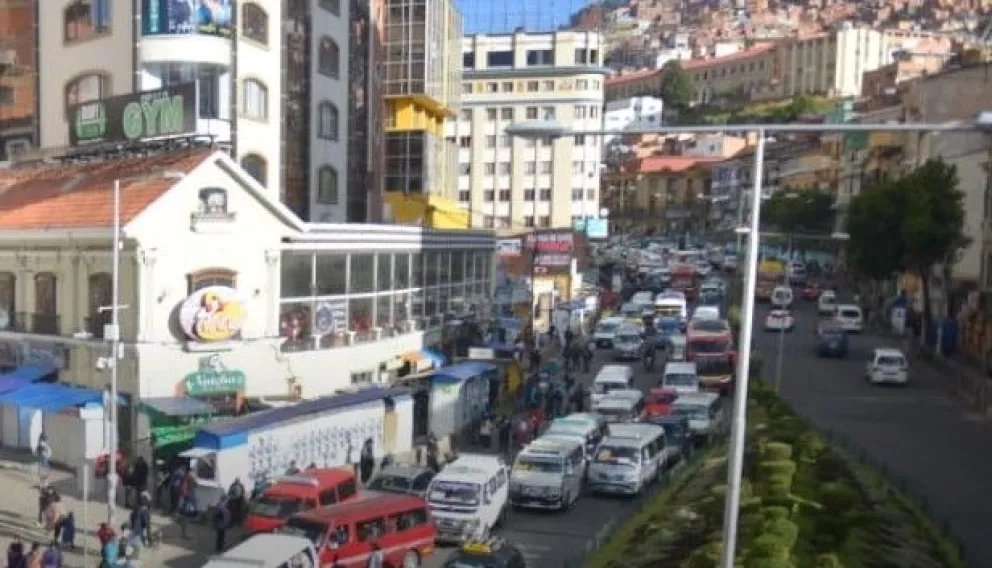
(269, 550)
(782, 296)
(469, 497)
(705, 412)
(672, 304)
(681, 377)
(619, 406)
(611, 378)
(587, 427)
(646, 302)
(548, 474)
(667, 454)
(677, 345)
(626, 465)
(606, 331)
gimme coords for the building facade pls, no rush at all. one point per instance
(635, 112)
(276, 83)
(831, 64)
(421, 82)
(506, 182)
(228, 294)
(18, 77)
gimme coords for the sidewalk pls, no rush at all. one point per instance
(963, 380)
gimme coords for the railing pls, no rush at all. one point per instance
(16, 322)
(45, 324)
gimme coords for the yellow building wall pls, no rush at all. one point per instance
(426, 210)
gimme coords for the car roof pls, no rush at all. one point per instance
(611, 370)
(696, 398)
(621, 441)
(848, 307)
(261, 547)
(551, 445)
(403, 470)
(681, 367)
(322, 477)
(634, 430)
(889, 352)
(361, 503)
(579, 417)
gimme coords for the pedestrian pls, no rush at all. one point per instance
(236, 498)
(52, 556)
(176, 478)
(139, 476)
(34, 557)
(188, 511)
(535, 360)
(569, 336)
(69, 531)
(44, 498)
(53, 515)
(16, 557)
(587, 355)
(433, 459)
(292, 469)
(140, 521)
(221, 522)
(366, 461)
(375, 559)
(504, 434)
(43, 451)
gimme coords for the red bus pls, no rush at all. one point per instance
(684, 280)
(710, 344)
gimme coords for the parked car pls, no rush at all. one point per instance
(403, 479)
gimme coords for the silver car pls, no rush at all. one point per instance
(402, 479)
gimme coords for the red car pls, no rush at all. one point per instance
(659, 402)
(811, 292)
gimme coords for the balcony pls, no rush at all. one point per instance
(40, 323)
(15, 322)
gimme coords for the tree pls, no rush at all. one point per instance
(806, 210)
(677, 88)
(874, 223)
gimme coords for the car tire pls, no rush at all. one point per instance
(411, 559)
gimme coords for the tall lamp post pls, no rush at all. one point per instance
(112, 331)
(735, 471)
(536, 130)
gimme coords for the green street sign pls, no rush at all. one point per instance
(214, 382)
(134, 117)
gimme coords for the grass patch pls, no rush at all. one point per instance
(804, 503)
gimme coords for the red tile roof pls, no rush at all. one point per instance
(694, 64)
(673, 164)
(80, 196)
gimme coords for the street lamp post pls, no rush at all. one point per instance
(983, 123)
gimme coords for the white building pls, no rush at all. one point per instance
(509, 182)
(229, 296)
(635, 112)
(255, 83)
(831, 64)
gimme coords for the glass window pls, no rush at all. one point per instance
(84, 19)
(457, 266)
(444, 268)
(329, 58)
(256, 166)
(401, 274)
(332, 6)
(255, 23)
(360, 317)
(444, 299)
(417, 270)
(327, 121)
(401, 308)
(294, 325)
(430, 307)
(296, 274)
(331, 273)
(383, 311)
(86, 88)
(384, 272)
(362, 278)
(430, 269)
(255, 102)
(417, 303)
(327, 185)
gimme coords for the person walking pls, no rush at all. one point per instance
(221, 522)
(236, 498)
(43, 451)
(16, 555)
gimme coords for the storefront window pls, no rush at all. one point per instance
(362, 274)
(430, 269)
(458, 293)
(477, 263)
(332, 271)
(297, 273)
(360, 315)
(444, 268)
(431, 303)
(444, 299)
(384, 272)
(401, 274)
(457, 266)
(417, 303)
(417, 269)
(294, 325)
(401, 309)
(383, 312)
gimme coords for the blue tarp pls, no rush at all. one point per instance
(462, 372)
(50, 397)
(435, 357)
(8, 384)
(30, 373)
(235, 432)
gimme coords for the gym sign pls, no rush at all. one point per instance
(135, 117)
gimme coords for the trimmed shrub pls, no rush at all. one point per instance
(777, 451)
(828, 561)
(784, 530)
(706, 556)
(809, 446)
(774, 469)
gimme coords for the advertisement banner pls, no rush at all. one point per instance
(186, 17)
(552, 250)
(593, 228)
(134, 117)
(508, 248)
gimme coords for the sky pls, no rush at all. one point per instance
(503, 16)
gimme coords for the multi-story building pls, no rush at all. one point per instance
(284, 86)
(747, 74)
(832, 64)
(635, 112)
(508, 182)
(421, 85)
(666, 192)
(18, 77)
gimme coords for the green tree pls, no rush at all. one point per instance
(874, 223)
(677, 88)
(802, 211)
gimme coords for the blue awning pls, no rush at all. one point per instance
(30, 373)
(8, 384)
(435, 356)
(462, 372)
(50, 397)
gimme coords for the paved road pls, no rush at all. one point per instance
(550, 539)
(919, 432)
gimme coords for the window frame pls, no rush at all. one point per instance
(332, 130)
(330, 67)
(211, 276)
(264, 33)
(104, 89)
(263, 90)
(332, 6)
(328, 196)
(98, 27)
(264, 167)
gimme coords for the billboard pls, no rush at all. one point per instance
(508, 248)
(134, 117)
(596, 228)
(553, 250)
(186, 17)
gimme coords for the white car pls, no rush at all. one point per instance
(782, 297)
(730, 262)
(779, 320)
(703, 268)
(887, 365)
(826, 305)
(849, 318)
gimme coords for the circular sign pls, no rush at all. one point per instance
(323, 319)
(212, 314)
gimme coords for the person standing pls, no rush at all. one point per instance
(236, 498)
(16, 554)
(43, 452)
(221, 522)
(366, 461)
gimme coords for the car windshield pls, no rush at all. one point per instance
(614, 413)
(606, 328)
(712, 366)
(390, 484)
(627, 339)
(661, 398)
(276, 506)
(710, 326)
(890, 361)
(605, 387)
(532, 464)
(680, 380)
(853, 314)
(710, 346)
(310, 530)
(692, 411)
(832, 333)
(617, 454)
(454, 492)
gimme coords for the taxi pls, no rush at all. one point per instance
(493, 553)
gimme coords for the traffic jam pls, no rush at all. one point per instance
(618, 440)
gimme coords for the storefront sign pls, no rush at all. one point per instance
(134, 117)
(212, 315)
(552, 250)
(329, 317)
(508, 248)
(183, 17)
(213, 378)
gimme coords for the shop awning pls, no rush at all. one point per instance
(50, 397)
(462, 372)
(424, 360)
(178, 406)
(30, 373)
(8, 384)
